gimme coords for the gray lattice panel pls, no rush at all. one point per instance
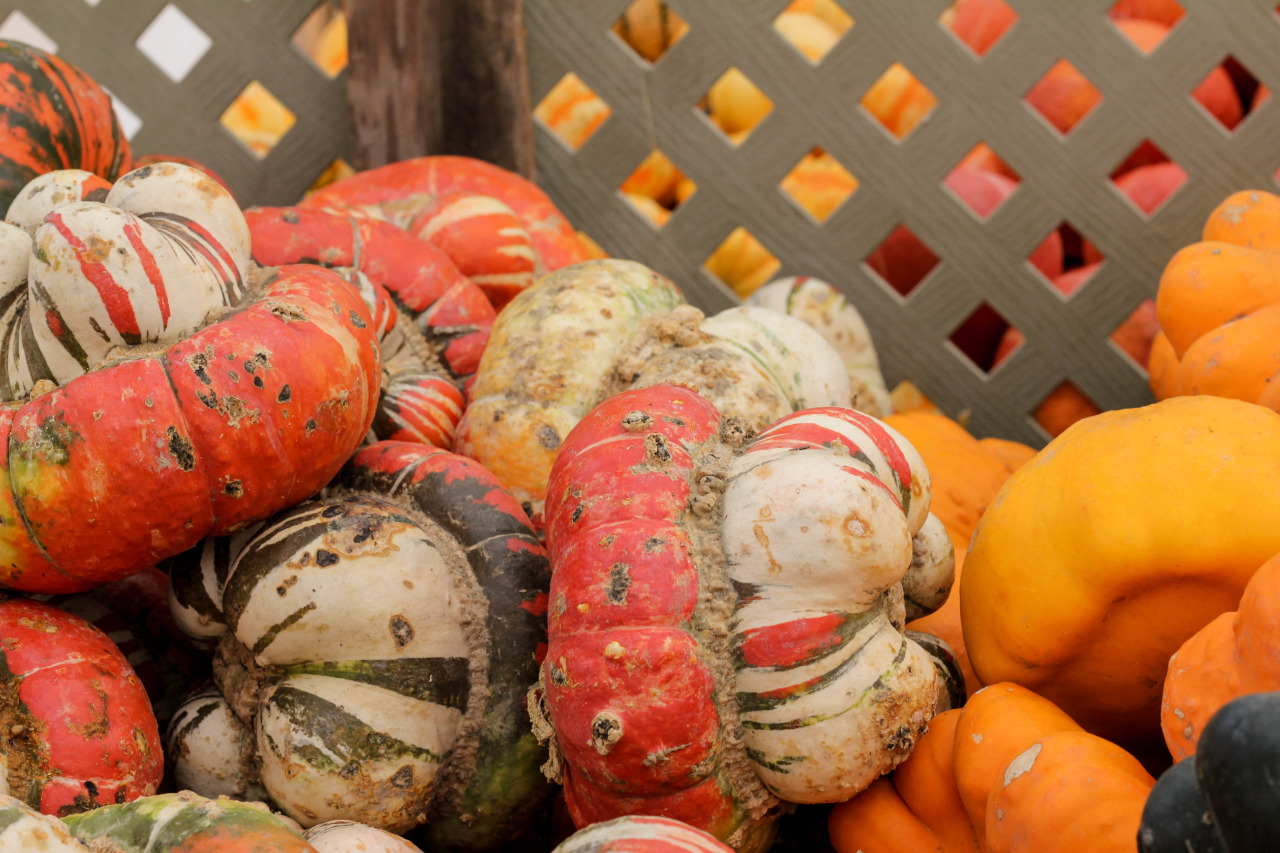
(250, 41)
(980, 99)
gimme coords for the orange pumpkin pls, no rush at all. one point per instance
(1122, 538)
(1219, 306)
(1233, 655)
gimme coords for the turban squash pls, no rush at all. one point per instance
(703, 586)
(376, 647)
(198, 394)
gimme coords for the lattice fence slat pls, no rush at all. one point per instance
(251, 40)
(1063, 179)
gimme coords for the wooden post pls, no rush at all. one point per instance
(439, 77)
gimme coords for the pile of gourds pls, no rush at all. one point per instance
(466, 539)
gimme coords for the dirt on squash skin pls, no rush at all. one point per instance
(22, 738)
(716, 604)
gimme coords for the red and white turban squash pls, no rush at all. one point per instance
(377, 645)
(726, 614)
(196, 395)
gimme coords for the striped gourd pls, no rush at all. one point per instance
(433, 322)
(378, 643)
(207, 749)
(186, 823)
(641, 834)
(726, 614)
(399, 192)
(825, 309)
(599, 327)
(151, 263)
(484, 238)
(22, 828)
(79, 731)
(215, 393)
(52, 116)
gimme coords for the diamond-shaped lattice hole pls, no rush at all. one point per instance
(656, 188)
(899, 101)
(1063, 96)
(650, 28)
(18, 27)
(322, 38)
(1223, 92)
(902, 261)
(813, 27)
(257, 119)
(979, 24)
(1252, 92)
(1133, 337)
(173, 43)
(335, 171)
(1065, 405)
(736, 105)
(981, 191)
(1048, 257)
(742, 262)
(983, 158)
(1167, 12)
(1146, 23)
(572, 111)
(1149, 187)
(979, 336)
(129, 121)
(819, 184)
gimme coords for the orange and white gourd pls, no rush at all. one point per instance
(725, 624)
(165, 249)
(599, 327)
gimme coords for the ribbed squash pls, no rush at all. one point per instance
(377, 644)
(199, 394)
(703, 586)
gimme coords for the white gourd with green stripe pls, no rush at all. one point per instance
(383, 706)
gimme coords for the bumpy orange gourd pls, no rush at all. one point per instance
(998, 776)
(1233, 655)
(1219, 307)
(1122, 538)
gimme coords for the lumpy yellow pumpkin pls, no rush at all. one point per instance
(1121, 539)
